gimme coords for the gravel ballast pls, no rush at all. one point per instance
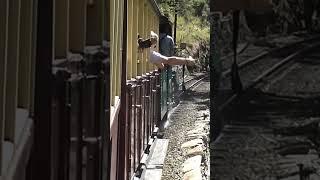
(193, 107)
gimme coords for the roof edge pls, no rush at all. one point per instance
(156, 7)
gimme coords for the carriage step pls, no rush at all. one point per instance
(155, 161)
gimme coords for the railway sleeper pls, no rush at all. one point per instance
(307, 129)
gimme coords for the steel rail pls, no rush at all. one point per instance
(240, 51)
(270, 52)
(270, 71)
(281, 63)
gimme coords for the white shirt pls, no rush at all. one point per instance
(156, 57)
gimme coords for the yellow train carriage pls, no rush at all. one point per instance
(77, 99)
(134, 84)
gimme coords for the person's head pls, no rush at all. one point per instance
(154, 38)
(166, 28)
(165, 25)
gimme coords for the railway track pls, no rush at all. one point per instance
(253, 70)
(252, 67)
(192, 82)
(268, 135)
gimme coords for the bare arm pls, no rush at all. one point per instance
(174, 60)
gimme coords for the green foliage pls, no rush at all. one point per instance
(192, 25)
(191, 30)
(185, 8)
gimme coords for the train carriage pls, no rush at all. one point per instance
(78, 100)
(135, 98)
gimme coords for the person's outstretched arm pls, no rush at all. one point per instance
(157, 58)
(174, 60)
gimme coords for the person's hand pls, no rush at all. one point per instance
(190, 61)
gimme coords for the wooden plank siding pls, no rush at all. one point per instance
(116, 29)
(17, 45)
(12, 69)
(142, 17)
(140, 32)
(42, 54)
(130, 39)
(116, 42)
(135, 38)
(107, 25)
(33, 37)
(119, 47)
(148, 29)
(112, 49)
(95, 23)
(146, 33)
(25, 55)
(4, 14)
(62, 8)
(77, 25)
(33, 58)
